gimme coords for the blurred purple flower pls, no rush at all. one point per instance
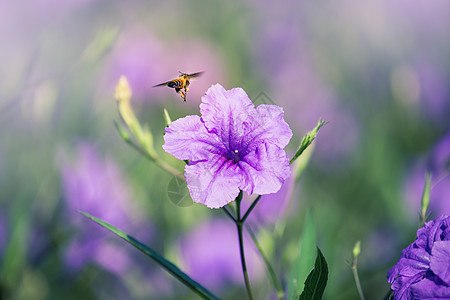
(438, 164)
(232, 147)
(423, 270)
(98, 188)
(210, 254)
(434, 89)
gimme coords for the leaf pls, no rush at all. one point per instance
(169, 266)
(308, 139)
(305, 259)
(317, 280)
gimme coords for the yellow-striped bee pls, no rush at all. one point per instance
(181, 84)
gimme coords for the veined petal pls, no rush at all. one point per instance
(213, 182)
(265, 170)
(429, 290)
(187, 138)
(267, 125)
(224, 110)
(440, 260)
(272, 126)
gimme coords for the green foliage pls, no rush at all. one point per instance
(317, 280)
(169, 266)
(305, 259)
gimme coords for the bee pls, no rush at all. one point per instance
(181, 84)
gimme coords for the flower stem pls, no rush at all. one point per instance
(229, 214)
(240, 226)
(251, 208)
(244, 266)
(358, 284)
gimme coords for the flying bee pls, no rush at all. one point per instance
(181, 84)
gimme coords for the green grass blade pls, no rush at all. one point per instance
(270, 271)
(170, 267)
(304, 262)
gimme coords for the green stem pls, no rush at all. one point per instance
(251, 208)
(355, 275)
(229, 214)
(239, 225)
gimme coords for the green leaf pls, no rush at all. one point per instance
(305, 259)
(170, 267)
(308, 139)
(317, 280)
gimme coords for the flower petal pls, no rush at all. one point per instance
(265, 170)
(187, 138)
(440, 260)
(213, 182)
(223, 110)
(270, 127)
(428, 289)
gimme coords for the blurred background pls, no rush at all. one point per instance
(378, 71)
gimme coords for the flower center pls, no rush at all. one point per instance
(235, 156)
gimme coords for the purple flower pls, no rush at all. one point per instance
(423, 271)
(233, 146)
(97, 186)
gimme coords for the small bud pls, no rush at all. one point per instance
(167, 119)
(143, 136)
(425, 197)
(308, 139)
(357, 250)
(123, 90)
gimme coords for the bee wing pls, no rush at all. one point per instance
(164, 83)
(193, 75)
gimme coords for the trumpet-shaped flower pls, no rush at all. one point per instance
(423, 271)
(233, 146)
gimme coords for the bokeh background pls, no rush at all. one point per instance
(378, 71)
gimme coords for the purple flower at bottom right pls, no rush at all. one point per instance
(423, 270)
